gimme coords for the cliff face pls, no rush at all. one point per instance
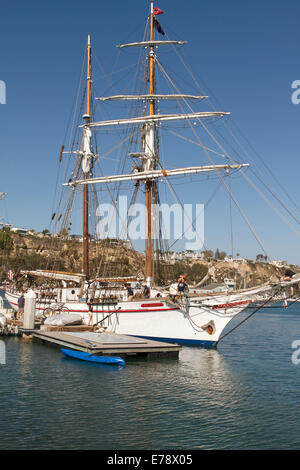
(30, 244)
(112, 258)
(246, 274)
(33, 252)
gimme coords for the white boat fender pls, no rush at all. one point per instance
(3, 321)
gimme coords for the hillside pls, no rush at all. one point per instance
(113, 258)
(108, 257)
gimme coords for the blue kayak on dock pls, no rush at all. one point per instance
(84, 356)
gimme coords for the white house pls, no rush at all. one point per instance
(228, 259)
(278, 263)
(21, 230)
(181, 256)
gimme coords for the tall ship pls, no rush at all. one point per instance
(139, 304)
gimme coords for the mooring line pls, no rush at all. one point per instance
(249, 316)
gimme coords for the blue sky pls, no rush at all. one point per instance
(245, 55)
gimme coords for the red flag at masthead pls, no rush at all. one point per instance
(157, 11)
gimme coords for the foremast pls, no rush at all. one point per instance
(86, 165)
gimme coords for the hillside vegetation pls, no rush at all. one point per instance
(110, 258)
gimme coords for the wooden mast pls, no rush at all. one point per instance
(148, 185)
(85, 232)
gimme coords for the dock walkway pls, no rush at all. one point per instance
(107, 344)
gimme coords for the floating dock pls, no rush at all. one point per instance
(107, 344)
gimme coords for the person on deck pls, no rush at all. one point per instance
(181, 284)
(146, 292)
(90, 306)
(21, 303)
(129, 291)
(288, 276)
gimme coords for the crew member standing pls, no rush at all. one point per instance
(21, 303)
(181, 284)
(129, 291)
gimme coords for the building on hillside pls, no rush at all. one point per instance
(21, 230)
(173, 256)
(278, 263)
(5, 225)
(229, 259)
(127, 244)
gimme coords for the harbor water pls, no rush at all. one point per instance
(243, 395)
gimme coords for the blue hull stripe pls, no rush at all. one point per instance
(186, 342)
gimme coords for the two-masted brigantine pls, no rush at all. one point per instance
(192, 319)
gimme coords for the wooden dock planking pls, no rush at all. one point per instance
(108, 343)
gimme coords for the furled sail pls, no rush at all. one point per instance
(159, 118)
(87, 155)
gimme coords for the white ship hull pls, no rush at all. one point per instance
(201, 323)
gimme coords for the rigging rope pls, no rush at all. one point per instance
(188, 68)
(250, 315)
(217, 171)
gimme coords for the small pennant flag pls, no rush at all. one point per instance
(158, 27)
(10, 275)
(157, 11)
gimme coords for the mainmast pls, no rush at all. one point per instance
(150, 144)
(86, 165)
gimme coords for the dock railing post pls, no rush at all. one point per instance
(29, 310)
